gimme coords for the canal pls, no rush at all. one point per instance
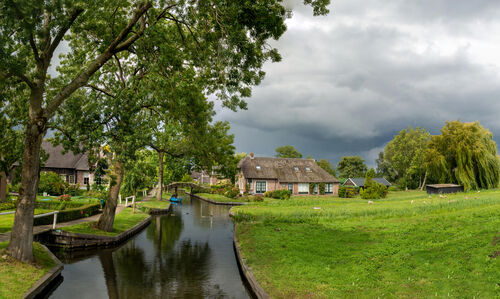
(185, 254)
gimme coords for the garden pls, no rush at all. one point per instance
(407, 245)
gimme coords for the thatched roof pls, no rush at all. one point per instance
(360, 182)
(286, 170)
(68, 160)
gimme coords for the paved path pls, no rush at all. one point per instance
(44, 228)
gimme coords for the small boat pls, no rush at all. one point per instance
(175, 199)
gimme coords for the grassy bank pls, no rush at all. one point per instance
(6, 221)
(219, 198)
(347, 248)
(123, 221)
(18, 277)
(154, 204)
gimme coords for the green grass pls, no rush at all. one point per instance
(393, 248)
(6, 221)
(219, 198)
(123, 221)
(18, 277)
(78, 199)
(154, 204)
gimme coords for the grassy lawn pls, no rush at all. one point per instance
(123, 221)
(6, 221)
(18, 277)
(326, 247)
(219, 198)
(154, 204)
(78, 199)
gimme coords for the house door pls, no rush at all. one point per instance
(290, 188)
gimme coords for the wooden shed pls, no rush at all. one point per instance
(444, 188)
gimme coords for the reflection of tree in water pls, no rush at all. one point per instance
(108, 268)
(208, 211)
(165, 231)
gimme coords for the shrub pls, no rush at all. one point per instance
(322, 188)
(278, 194)
(7, 206)
(232, 193)
(51, 183)
(373, 190)
(70, 214)
(187, 178)
(311, 188)
(73, 190)
(64, 197)
(347, 192)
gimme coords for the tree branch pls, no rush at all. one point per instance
(120, 69)
(95, 65)
(62, 31)
(100, 90)
(33, 47)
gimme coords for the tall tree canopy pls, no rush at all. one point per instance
(385, 169)
(466, 154)
(405, 153)
(325, 164)
(287, 151)
(351, 166)
(230, 37)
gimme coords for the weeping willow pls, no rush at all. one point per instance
(466, 154)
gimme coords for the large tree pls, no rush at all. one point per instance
(384, 168)
(325, 164)
(232, 35)
(405, 153)
(466, 154)
(351, 166)
(287, 151)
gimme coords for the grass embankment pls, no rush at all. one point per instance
(6, 221)
(18, 277)
(154, 204)
(220, 198)
(347, 248)
(123, 222)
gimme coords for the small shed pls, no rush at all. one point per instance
(444, 188)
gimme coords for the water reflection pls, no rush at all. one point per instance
(186, 254)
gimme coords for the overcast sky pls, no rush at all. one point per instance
(348, 82)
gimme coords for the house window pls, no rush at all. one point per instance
(329, 188)
(98, 180)
(71, 179)
(308, 169)
(86, 181)
(260, 186)
(258, 167)
(315, 188)
(296, 169)
(64, 177)
(290, 188)
(303, 188)
(249, 181)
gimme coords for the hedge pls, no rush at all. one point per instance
(70, 214)
(58, 205)
(7, 206)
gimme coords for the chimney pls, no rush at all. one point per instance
(252, 155)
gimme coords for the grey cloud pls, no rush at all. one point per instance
(346, 87)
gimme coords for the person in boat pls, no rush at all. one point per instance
(174, 196)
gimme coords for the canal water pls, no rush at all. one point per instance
(185, 254)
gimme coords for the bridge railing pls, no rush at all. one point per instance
(39, 215)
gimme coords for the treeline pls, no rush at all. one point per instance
(464, 154)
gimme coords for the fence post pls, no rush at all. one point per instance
(120, 198)
(133, 200)
(55, 220)
(126, 201)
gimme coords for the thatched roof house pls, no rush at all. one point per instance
(260, 174)
(73, 168)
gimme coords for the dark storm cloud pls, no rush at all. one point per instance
(350, 81)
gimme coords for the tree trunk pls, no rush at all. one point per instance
(107, 218)
(159, 193)
(3, 187)
(21, 236)
(423, 183)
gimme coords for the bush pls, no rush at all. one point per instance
(311, 188)
(7, 206)
(186, 178)
(278, 194)
(64, 197)
(73, 190)
(232, 193)
(70, 214)
(322, 188)
(51, 183)
(347, 192)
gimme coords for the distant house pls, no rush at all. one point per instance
(261, 174)
(73, 168)
(200, 177)
(360, 182)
